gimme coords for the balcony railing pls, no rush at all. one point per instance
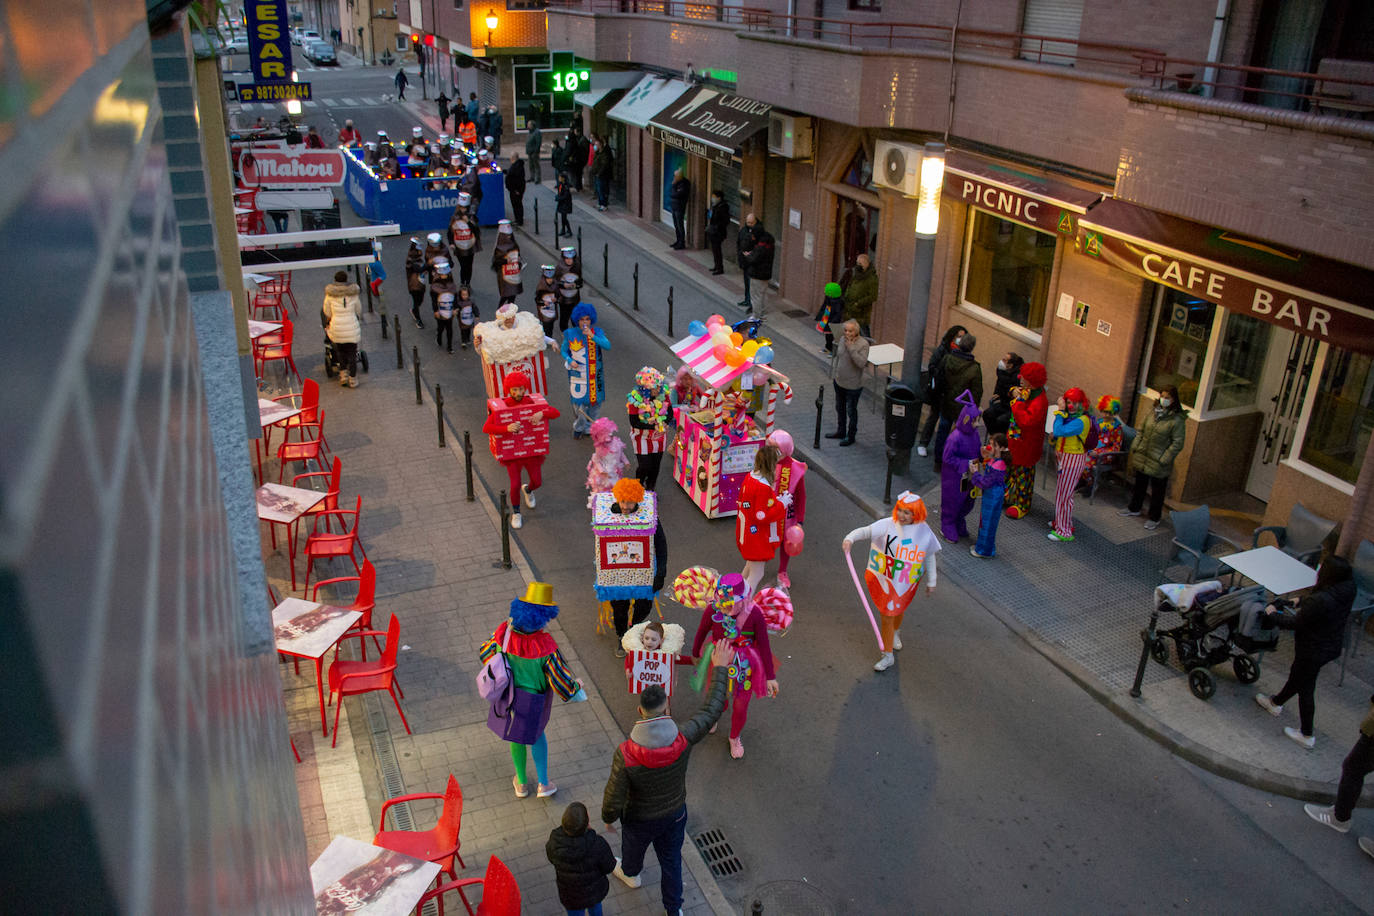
(1043, 49)
(1319, 93)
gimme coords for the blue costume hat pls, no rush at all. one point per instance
(583, 310)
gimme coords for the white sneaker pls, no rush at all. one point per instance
(1367, 845)
(921, 450)
(1307, 741)
(1128, 513)
(635, 881)
(885, 662)
(516, 521)
(1264, 701)
(526, 495)
(1151, 525)
(897, 639)
(1327, 815)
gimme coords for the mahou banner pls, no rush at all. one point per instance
(292, 168)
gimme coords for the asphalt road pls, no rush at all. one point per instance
(972, 777)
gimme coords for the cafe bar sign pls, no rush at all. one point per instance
(1313, 296)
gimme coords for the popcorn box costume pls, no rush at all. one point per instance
(519, 348)
(646, 668)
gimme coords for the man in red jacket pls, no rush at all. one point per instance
(647, 789)
(1026, 438)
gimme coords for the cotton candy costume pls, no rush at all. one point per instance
(753, 665)
(608, 461)
(961, 447)
(899, 556)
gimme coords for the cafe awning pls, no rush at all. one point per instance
(1023, 197)
(1306, 293)
(646, 99)
(709, 123)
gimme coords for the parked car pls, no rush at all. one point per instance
(309, 35)
(320, 52)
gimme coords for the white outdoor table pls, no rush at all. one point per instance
(279, 504)
(1272, 568)
(257, 328)
(353, 877)
(883, 355)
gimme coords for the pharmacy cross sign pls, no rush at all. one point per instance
(562, 79)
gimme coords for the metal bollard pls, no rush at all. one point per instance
(384, 329)
(820, 402)
(397, 319)
(606, 265)
(505, 531)
(636, 286)
(756, 909)
(536, 216)
(467, 463)
(579, 240)
(415, 358)
(1147, 641)
(670, 311)
(439, 403)
(887, 486)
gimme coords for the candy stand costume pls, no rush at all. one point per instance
(1111, 438)
(584, 358)
(649, 413)
(608, 461)
(898, 557)
(1071, 428)
(961, 447)
(631, 552)
(537, 670)
(1026, 439)
(524, 448)
(731, 615)
(790, 477)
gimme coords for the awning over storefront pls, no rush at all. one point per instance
(1032, 200)
(589, 98)
(646, 99)
(709, 123)
(1314, 296)
(603, 83)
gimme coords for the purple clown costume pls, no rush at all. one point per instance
(962, 446)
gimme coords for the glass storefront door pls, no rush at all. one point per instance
(1281, 390)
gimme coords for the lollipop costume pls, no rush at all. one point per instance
(790, 478)
(752, 667)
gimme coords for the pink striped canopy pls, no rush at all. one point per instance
(696, 353)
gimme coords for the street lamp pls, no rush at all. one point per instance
(492, 23)
(927, 224)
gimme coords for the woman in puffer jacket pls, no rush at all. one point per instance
(342, 315)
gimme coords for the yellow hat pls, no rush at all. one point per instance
(539, 593)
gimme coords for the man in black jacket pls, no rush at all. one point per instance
(678, 195)
(717, 227)
(756, 260)
(515, 187)
(647, 789)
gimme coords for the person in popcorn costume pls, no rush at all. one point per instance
(518, 385)
(649, 414)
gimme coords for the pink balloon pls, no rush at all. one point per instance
(717, 319)
(720, 351)
(793, 539)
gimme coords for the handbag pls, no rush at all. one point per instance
(494, 677)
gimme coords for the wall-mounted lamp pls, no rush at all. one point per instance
(492, 23)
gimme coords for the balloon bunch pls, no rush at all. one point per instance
(729, 346)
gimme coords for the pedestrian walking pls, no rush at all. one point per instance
(577, 150)
(628, 494)
(962, 447)
(1318, 637)
(584, 356)
(415, 280)
(581, 862)
(1072, 433)
(467, 314)
(862, 293)
(536, 671)
(515, 188)
(442, 102)
(402, 81)
(759, 521)
(849, 383)
(679, 192)
(717, 227)
(649, 414)
(496, 125)
(959, 372)
(563, 194)
(934, 387)
(483, 126)
(989, 476)
(1153, 451)
(1025, 438)
(647, 787)
(342, 315)
(901, 552)
(1358, 764)
(558, 158)
(534, 148)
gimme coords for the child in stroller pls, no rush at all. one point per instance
(1217, 624)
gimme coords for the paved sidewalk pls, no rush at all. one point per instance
(438, 568)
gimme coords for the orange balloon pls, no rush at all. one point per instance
(736, 338)
(734, 358)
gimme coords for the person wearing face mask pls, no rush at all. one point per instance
(997, 418)
(1156, 445)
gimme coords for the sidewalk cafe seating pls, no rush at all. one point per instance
(331, 493)
(278, 351)
(1302, 537)
(1195, 539)
(1364, 600)
(500, 893)
(364, 603)
(279, 285)
(349, 678)
(439, 845)
(306, 448)
(328, 544)
(268, 307)
(309, 406)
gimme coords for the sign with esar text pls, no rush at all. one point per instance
(269, 44)
(293, 168)
(651, 669)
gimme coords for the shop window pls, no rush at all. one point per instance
(1342, 416)
(1240, 362)
(1179, 351)
(1007, 270)
(525, 4)
(859, 173)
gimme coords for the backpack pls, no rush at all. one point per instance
(494, 678)
(1090, 440)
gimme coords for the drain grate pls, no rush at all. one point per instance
(718, 853)
(796, 313)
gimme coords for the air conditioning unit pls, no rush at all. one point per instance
(789, 136)
(897, 166)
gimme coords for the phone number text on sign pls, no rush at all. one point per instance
(274, 92)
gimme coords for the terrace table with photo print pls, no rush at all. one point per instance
(354, 877)
(258, 328)
(279, 504)
(270, 413)
(308, 629)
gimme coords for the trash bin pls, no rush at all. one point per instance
(901, 411)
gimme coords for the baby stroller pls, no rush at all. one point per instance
(331, 359)
(1217, 624)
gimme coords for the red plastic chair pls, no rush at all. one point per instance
(306, 448)
(439, 845)
(348, 678)
(500, 893)
(327, 544)
(278, 351)
(364, 603)
(268, 307)
(280, 285)
(331, 495)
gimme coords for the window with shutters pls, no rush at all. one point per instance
(1045, 20)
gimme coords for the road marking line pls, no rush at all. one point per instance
(330, 103)
(349, 102)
